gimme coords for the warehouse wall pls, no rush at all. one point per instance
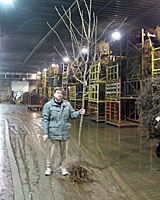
(5, 88)
(32, 85)
(18, 86)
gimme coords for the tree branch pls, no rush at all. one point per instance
(82, 20)
(59, 39)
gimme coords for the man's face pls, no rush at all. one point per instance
(58, 95)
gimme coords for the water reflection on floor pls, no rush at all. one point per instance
(130, 155)
(6, 187)
(126, 161)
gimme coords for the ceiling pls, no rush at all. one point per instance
(27, 43)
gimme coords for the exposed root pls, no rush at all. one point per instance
(81, 174)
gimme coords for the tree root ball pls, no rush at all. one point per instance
(80, 173)
(148, 105)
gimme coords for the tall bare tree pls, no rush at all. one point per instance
(83, 36)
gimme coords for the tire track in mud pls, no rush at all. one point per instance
(18, 193)
(22, 149)
(63, 189)
(6, 184)
(27, 159)
(31, 154)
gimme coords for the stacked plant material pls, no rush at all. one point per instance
(157, 32)
(148, 104)
(80, 173)
(103, 48)
(147, 57)
(149, 43)
(26, 98)
(105, 59)
(134, 62)
(135, 51)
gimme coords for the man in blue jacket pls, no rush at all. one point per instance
(57, 128)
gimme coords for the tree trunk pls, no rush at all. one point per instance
(81, 123)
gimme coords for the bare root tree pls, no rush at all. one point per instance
(83, 36)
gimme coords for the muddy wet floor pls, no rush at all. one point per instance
(126, 163)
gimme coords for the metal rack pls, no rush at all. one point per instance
(65, 73)
(113, 89)
(119, 110)
(96, 96)
(112, 72)
(74, 96)
(155, 62)
(132, 87)
(114, 115)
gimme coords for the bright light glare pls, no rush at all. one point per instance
(34, 76)
(116, 35)
(39, 73)
(84, 50)
(53, 65)
(45, 69)
(6, 2)
(34, 115)
(66, 59)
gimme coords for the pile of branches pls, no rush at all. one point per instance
(156, 32)
(148, 44)
(80, 173)
(148, 104)
(147, 57)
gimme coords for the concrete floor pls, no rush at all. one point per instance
(126, 162)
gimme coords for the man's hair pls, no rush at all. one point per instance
(58, 88)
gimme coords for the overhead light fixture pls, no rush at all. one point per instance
(84, 50)
(9, 2)
(34, 76)
(116, 35)
(66, 59)
(39, 73)
(45, 69)
(53, 65)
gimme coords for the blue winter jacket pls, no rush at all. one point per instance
(56, 120)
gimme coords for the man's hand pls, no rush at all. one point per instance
(45, 138)
(82, 111)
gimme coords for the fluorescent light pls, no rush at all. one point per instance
(116, 35)
(39, 73)
(53, 65)
(66, 59)
(84, 50)
(45, 69)
(34, 76)
(10, 2)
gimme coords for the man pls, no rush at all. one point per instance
(57, 128)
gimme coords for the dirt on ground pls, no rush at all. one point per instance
(127, 169)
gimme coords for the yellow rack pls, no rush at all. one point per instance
(155, 62)
(97, 73)
(113, 89)
(112, 73)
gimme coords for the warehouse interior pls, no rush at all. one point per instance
(105, 54)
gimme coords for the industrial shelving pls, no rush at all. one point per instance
(132, 87)
(75, 96)
(155, 62)
(96, 96)
(119, 111)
